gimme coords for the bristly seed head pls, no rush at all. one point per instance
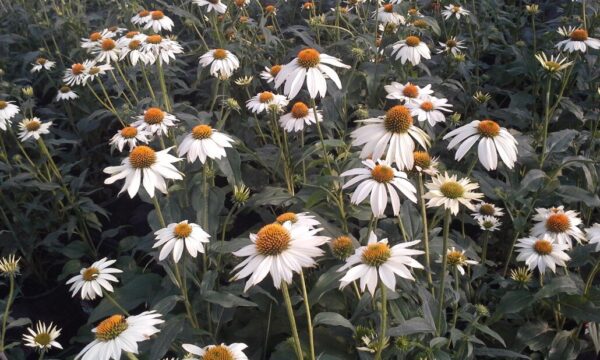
(32, 125)
(299, 110)
(90, 274)
(558, 223)
(288, 216)
(108, 44)
(220, 54)
(182, 230)
(77, 69)
(342, 247)
(129, 132)
(542, 247)
(488, 128)
(272, 239)
(452, 189)
(422, 159)
(265, 97)
(579, 35)
(111, 328)
(376, 254)
(275, 69)
(154, 116)
(154, 39)
(142, 157)
(95, 36)
(382, 173)
(217, 352)
(309, 58)
(201, 132)
(412, 40)
(398, 119)
(157, 15)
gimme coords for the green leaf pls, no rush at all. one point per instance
(579, 308)
(415, 325)
(513, 302)
(226, 300)
(499, 353)
(168, 332)
(559, 285)
(332, 319)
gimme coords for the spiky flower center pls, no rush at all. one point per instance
(455, 257)
(77, 69)
(426, 106)
(558, 223)
(142, 157)
(455, 8)
(275, 69)
(200, 132)
(288, 216)
(542, 247)
(451, 43)
(488, 224)
(42, 339)
(308, 5)
(220, 54)
(95, 36)
(388, 8)
(552, 66)
(487, 209)
(411, 91)
(299, 110)
(64, 89)
(154, 116)
(90, 274)
(157, 15)
(32, 125)
(144, 13)
(41, 61)
(420, 23)
(579, 35)
(129, 132)
(309, 58)
(272, 239)
(398, 119)
(3, 104)
(412, 40)
(240, 3)
(342, 247)
(452, 189)
(376, 254)
(265, 97)
(218, 352)
(154, 39)
(108, 44)
(134, 44)
(382, 173)
(94, 70)
(111, 328)
(422, 159)
(131, 34)
(488, 128)
(270, 9)
(182, 230)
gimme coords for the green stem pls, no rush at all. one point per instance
(314, 107)
(510, 252)
(486, 238)
(441, 308)
(161, 219)
(293, 328)
(131, 356)
(127, 82)
(402, 230)
(383, 326)
(163, 87)
(425, 234)
(311, 340)
(188, 306)
(546, 122)
(9, 301)
(457, 290)
(115, 303)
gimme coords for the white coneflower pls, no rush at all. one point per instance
(107, 51)
(95, 279)
(312, 67)
(377, 179)
(212, 5)
(77, 73)
(394, 133)
(578, 40)
(558, 224)
(411, 49)
(266, 101)
(144, 166)
(131, 45)
(130, 136)
(163, 49)
(119, 333)
(8, 110)
(302, 219)
(222, 62)
(386, 15)
(423, 162)
(593, 235)
(233, 351)
(378, 262)
(155, 121)
(458, 259)
(454, 11)
(300, 115)
(449, 192)
(484, 209)
(42, 64)
(65, 93)
(270, 72)
(488, 223)
(179, 236)
(33, 128)
(542, 253)
(408, 92)
(279, 250)
(43, 338)
(493, 141)
(204, 142)
(94, 71)
(158, 21)
(9, 265)
(452, 46)
(555, 65)
(94, 40)
(141, 18)
(430, 109)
